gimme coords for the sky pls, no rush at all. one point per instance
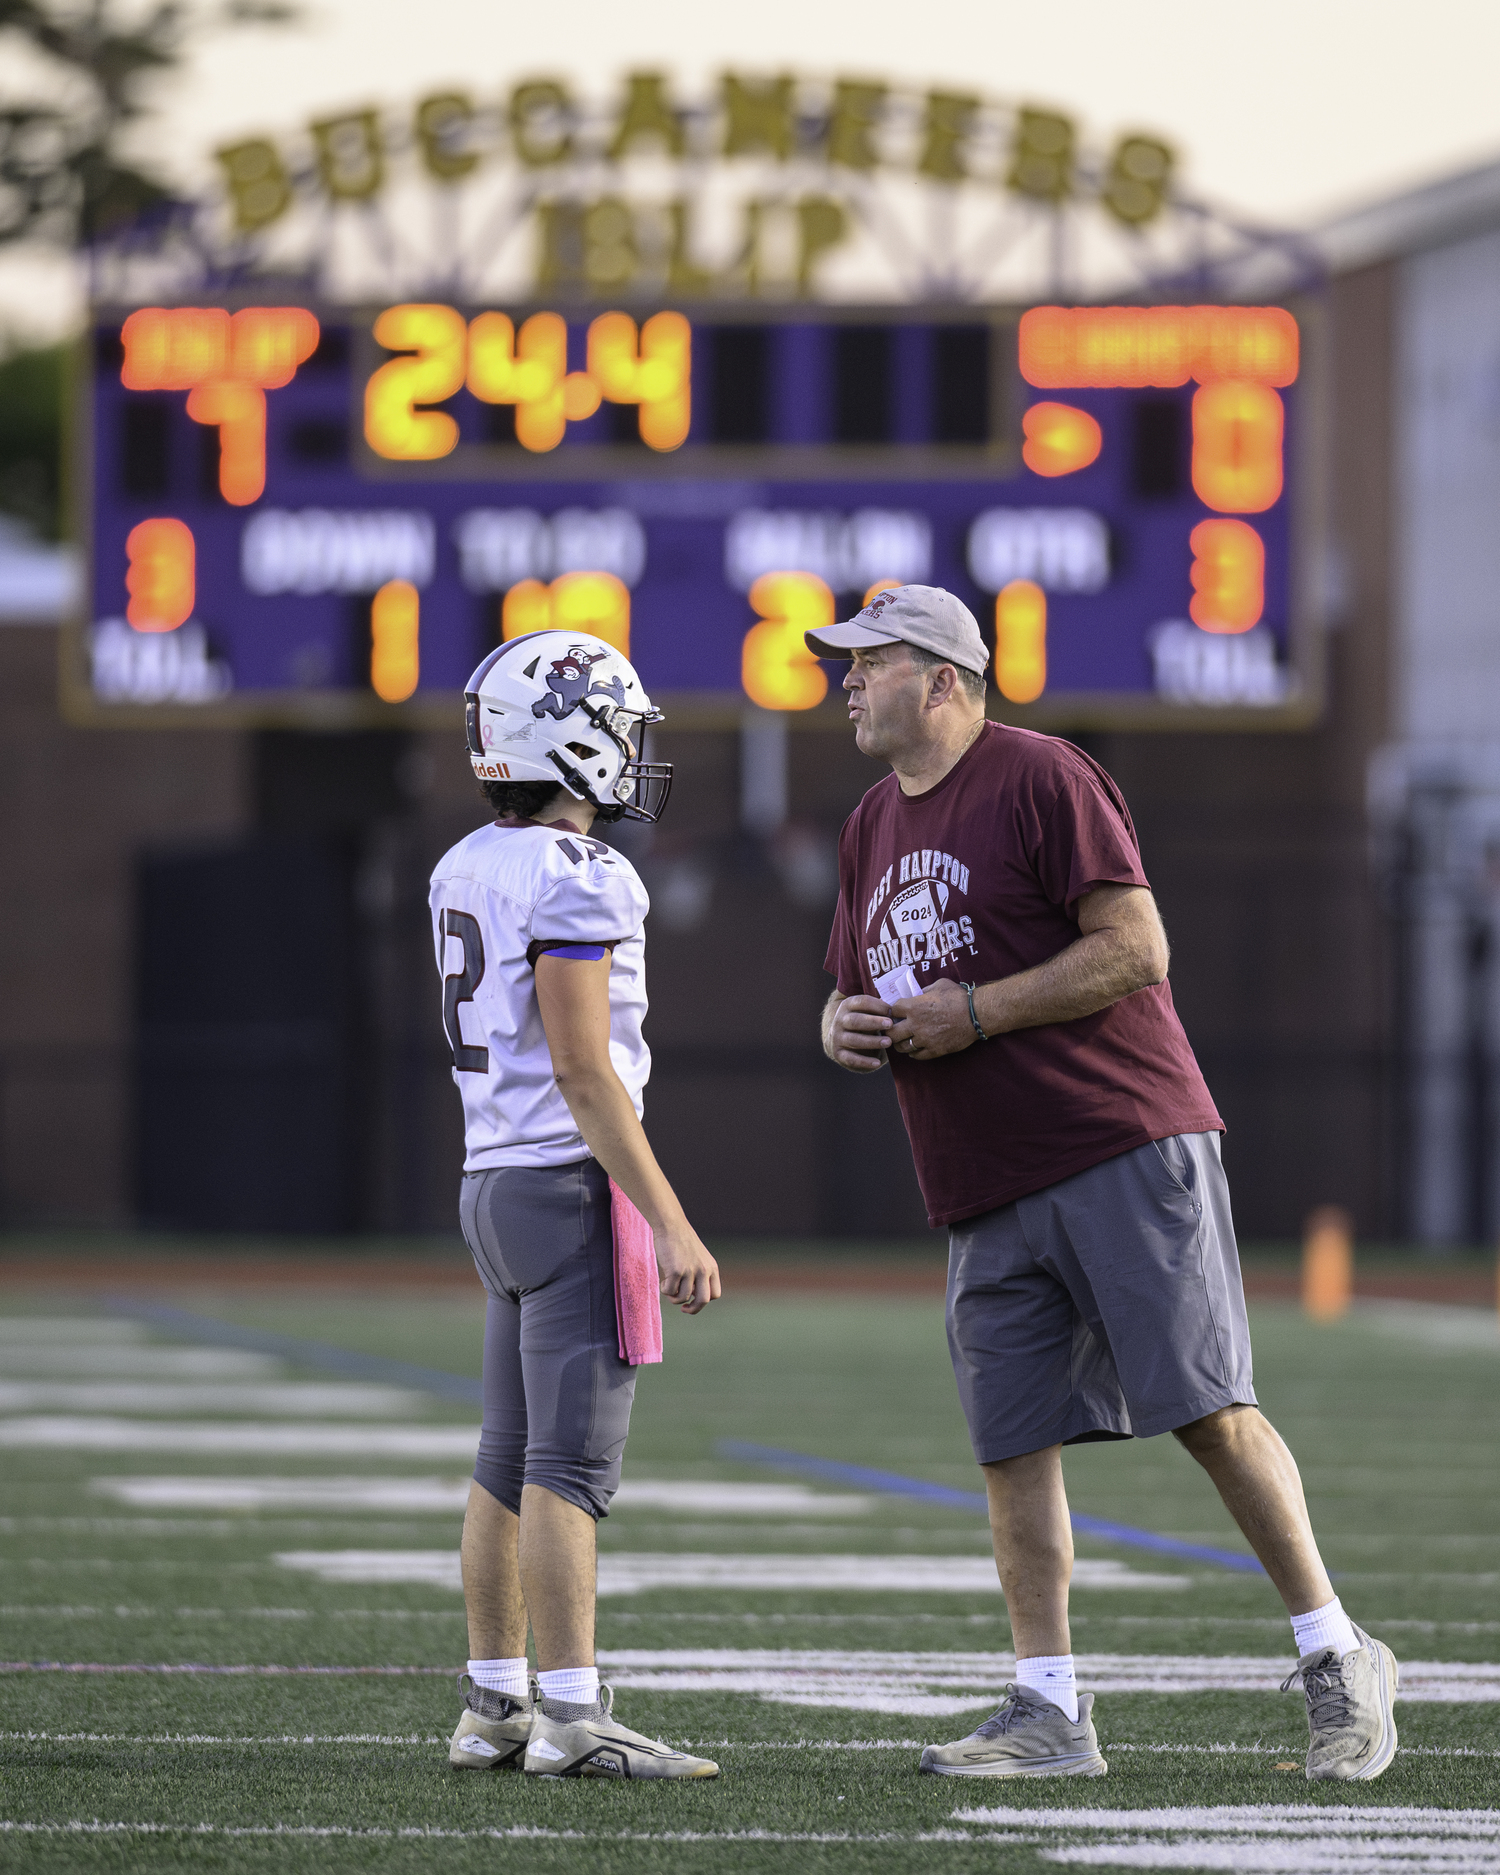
(1287, 110)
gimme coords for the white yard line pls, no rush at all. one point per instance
(15, 1613)
(424, 1495)
(516, 1832)
(1487, 1579)
(1253, 1819)
(190, 1526)
(311, 1438)
(625, 1572)
(938, 1683)
(1262, 1839)
(1435, 1325)
(934, 1685)
(346, 1399)
(223, 1738)
(1296, 1750)
(731, 1498)
(701, 1744)
(108, 1669)
(1328, 1855)
(135, 1362)
(1367, 1842)
(30, 1329)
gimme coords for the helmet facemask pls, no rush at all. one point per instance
(641, 788)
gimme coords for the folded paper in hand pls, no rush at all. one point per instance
(902, 981)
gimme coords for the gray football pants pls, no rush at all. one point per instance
(557, 1396)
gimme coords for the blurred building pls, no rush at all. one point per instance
(221, 1008)
(1430, 262)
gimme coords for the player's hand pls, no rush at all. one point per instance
(689, 1275)
(858, 1037)
(933, 1024)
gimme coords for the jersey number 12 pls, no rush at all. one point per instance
(459, 989)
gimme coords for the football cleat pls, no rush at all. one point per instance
(1350, 1722)
(1027, 1737)
(601, 1747)
(493, 1731)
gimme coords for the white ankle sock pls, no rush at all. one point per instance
(1051, 1675)
(576, 1686)
(507, 1677)
(1327, 1626)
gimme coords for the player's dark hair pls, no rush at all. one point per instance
(519, 800)
(972, 681)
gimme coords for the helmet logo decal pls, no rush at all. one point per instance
(569, 682)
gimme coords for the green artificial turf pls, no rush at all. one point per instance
(1396, 1439)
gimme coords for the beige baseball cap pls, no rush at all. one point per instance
(927, 616)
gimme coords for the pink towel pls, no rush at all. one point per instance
(637, 1282)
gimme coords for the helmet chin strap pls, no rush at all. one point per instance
(611, 811)
(572, 779)
(576, 785)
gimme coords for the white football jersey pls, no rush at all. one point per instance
(494, 896)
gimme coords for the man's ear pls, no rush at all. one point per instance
(943, 682)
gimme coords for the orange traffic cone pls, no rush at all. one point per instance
(1327, 1262)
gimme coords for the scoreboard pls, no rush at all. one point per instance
(301, 514)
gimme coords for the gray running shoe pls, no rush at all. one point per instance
(1350, 1721)
(493, 1732)
(1027, 1737)
(601, 1747)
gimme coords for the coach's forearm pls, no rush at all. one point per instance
(612, 1131)
(1093, 972)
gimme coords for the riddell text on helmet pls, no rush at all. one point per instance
(492, 771)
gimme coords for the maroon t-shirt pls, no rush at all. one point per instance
(977, 879)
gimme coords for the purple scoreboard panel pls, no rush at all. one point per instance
(301, 514)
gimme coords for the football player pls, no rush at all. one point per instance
(540, 945)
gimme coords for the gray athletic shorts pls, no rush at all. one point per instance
(557, 1395)
(1106, 1306)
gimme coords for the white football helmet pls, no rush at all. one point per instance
(566, 706)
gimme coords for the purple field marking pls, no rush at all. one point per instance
(834, 1471)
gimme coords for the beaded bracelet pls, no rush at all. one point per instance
(968, 990)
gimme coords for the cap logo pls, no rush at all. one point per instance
(878, 604)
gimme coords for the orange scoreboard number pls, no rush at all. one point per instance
(586, 602)
(1228, 575)
(1241, 357)
(650, 366)
(1021, 641)
(161, 574)
(226, 362)
(776, 668)
(395, 655)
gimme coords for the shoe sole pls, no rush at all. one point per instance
(1390, 1682)
(623, 1777)
(1091, 1766)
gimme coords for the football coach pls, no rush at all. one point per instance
(997, 944)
